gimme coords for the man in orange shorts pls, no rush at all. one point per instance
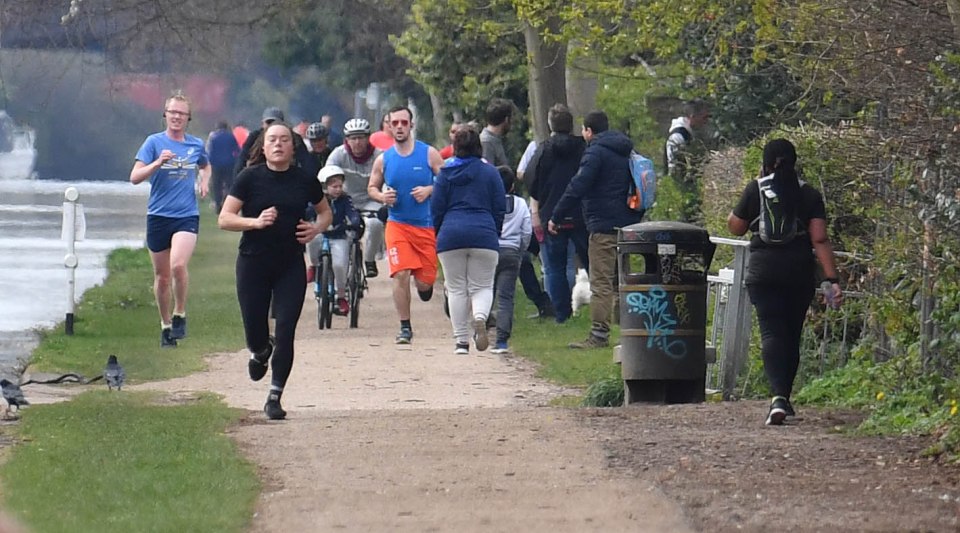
(402, 179)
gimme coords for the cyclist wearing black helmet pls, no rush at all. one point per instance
(355, 156)
(317, 137)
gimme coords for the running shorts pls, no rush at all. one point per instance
(412, 248)
(160, 230)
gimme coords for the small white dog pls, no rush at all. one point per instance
(580, 295)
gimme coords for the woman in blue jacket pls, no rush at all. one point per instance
(468, 205)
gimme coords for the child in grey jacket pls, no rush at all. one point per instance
(514, 239)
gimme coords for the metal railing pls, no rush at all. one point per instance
(731, 324)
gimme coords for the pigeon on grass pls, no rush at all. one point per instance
(114, 373)
(13, 395)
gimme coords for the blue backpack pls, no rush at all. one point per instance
(643, 191)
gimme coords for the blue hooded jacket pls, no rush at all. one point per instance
(601, 185)
(468, 204)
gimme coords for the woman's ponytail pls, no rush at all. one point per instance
(780, 157)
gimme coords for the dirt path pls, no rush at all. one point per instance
(382, 437)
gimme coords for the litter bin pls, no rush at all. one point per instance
(663, 311)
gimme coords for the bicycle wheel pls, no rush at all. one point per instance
(355, 284)
(317, 291)
(326, 292)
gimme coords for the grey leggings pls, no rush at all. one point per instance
(468, 276)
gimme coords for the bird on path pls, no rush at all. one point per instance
(114, 373)
(13, 395)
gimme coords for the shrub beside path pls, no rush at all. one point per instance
(414, 438)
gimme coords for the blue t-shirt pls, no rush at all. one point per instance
(172, 185)
(403, 174)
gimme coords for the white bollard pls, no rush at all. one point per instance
(69, 234)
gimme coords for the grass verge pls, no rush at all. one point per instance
(135, 461)
(124, 462)
(120, 316)
(545, 341)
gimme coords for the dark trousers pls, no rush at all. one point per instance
(555, 258)
(221, 181)
(781, 311)
(508, 268)
(260, 279)
(529, 280)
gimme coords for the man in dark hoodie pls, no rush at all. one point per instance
(601, 186)
(556, 161)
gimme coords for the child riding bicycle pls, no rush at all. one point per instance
(343, 229)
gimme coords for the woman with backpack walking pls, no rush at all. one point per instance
(787, 218)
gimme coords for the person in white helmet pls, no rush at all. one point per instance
(355, 157)
(346, 220)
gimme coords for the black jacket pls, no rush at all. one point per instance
(301, 155)
(601, 184)
(555, 162)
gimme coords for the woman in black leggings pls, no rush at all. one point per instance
(267, 203)
(781, 275)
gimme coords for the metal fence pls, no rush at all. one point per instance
(730, 325)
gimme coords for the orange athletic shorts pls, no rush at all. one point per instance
(412, 248)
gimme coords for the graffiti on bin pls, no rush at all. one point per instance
(654, 307)
(660, 236)
(680, 302)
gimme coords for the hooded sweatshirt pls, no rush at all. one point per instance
(468, 205)
(558, 162)
(601, 185)
(676, 140)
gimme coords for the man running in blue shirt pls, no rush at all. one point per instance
(172, 160)
(402, 179)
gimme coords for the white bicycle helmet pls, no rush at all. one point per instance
(356, 126)
(327, 171)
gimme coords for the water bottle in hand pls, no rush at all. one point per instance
(829, 295)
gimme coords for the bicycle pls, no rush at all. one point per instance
(324, 289)
(356, 284)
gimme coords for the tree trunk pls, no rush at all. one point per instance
(547, 67)
(953, 7)
(440, 121)
(582, 85)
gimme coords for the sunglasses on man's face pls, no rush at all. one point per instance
(400, 122)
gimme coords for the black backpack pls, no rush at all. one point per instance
(775, 224)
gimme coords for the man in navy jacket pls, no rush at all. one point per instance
(601, 186)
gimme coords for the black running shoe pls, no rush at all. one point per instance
(778, 411)
(179, 328)
(425, 295)
(789, 409)
(372, 271)
(167, 340)
(257, 364)
(272, 408)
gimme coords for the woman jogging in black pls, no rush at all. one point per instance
(267, 203)
(781, 272)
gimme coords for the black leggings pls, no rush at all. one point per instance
(781, 311)
(261, 278)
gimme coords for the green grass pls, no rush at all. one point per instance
(545, 342)
(120, 316)
(122, 462)
(136, 461)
